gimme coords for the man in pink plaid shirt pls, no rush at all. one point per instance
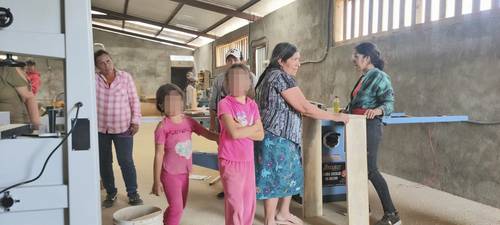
(118, 116)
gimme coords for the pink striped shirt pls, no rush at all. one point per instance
(117, 104)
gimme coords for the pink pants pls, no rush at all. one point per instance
(238, 180)
(176, 188)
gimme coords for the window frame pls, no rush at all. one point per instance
(219, 55)
(339, 39)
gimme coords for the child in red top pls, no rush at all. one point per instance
(33, 76)
(173, 148)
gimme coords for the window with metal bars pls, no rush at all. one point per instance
(221, 50)
(358, 18)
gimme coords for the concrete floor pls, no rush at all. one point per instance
(418, 204)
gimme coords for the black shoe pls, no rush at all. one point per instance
(135, 199)
(109, 201)
(390, 219)
(220, 195)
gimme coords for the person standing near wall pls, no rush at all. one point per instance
(240, 127)
(191, 95)
(33, 76)
(118, 116)
(173, 151)
(373, 97)
(278, 168)
(233, 56)
(16, 98)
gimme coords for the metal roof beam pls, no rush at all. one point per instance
(172, 15)
(120, 16)
(142, 36)
(219, 9)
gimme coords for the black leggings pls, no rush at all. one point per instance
(374, 135)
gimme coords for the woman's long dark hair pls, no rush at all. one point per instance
(283, 51)
(370, 49)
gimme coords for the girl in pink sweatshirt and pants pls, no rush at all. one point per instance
(173, 149)
(240, 126)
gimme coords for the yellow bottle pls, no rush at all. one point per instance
(336, 104)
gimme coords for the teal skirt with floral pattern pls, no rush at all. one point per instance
(278, 167)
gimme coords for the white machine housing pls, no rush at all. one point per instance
(68, 192)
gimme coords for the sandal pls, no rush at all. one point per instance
(291, 220)
(280, 222)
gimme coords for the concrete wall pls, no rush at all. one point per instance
(450, 67)
(203, 58)
(205, 55)
(148, 62)
(52, 78)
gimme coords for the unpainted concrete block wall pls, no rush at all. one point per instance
(148, 62)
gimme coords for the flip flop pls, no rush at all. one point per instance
(282, 222)
(291, 220)
(295, 220)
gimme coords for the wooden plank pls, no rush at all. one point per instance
(402, 13)
(370, 17)
(313, 187)
(428, 11)
(458, 7)
(391, 15)
(356, 166)
(442, 9)
(357, 171)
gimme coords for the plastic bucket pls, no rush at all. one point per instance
(138, 215)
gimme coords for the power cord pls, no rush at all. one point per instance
(328, 36)
(78, 105)
(483, 122)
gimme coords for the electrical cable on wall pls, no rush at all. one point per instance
(78, 105)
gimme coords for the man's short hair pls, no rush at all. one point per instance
(30, 63)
